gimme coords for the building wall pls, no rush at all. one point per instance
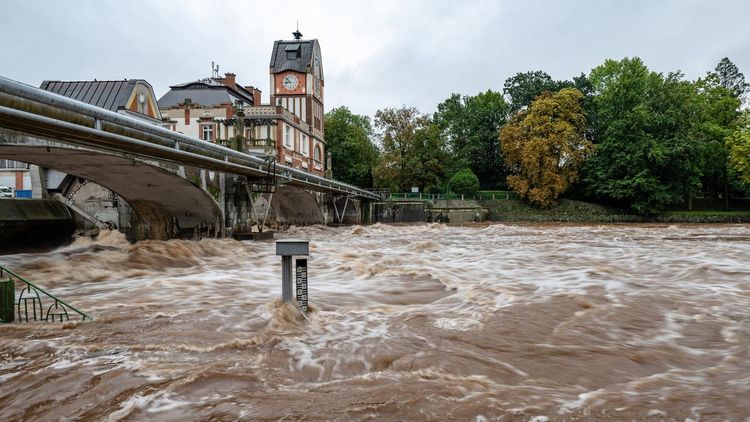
(190, 123)
(16, 179)
(297, 149)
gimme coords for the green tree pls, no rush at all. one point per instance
(545, 146)
(738, 144)
(719, 112)
(349, 139)
(648, 154)
(469, 126)
(523, 88)
(731, 78)
(464, 182)
(413, 153)
(722, 92)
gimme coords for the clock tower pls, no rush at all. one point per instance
(297, 84)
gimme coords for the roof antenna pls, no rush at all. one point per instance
(214, 70)
(297, 34)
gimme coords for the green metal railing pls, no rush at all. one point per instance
(28, 305)
(480, 195)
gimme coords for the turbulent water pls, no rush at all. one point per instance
(420, 322)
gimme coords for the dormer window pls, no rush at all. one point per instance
(292, 51)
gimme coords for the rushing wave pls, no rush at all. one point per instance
(409, 322)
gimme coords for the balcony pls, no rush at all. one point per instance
(276, 112)
(260, 143)
(254, 146)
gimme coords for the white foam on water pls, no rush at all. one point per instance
(166, 402)
(472, 322)
(656, 412)
(569, 406)
(137, 401)
(6, 377)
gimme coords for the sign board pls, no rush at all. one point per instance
(414, 190)
(289, 247)
(301, 280)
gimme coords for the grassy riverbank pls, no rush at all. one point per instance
(452, 209)
(579, 211)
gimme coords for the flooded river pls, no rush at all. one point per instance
(422, 322)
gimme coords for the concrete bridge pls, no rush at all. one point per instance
(176, 185)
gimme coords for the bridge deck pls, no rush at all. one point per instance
(36, 112)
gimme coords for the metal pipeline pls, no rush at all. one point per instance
(89, 137)
(169, 141)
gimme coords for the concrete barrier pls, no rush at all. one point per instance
(33, 221)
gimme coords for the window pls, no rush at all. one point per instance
(304, 147)
(292, 51)
(317, 153)
(207, 132)
(10, 164)
(287, 136)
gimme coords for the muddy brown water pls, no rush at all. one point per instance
(411, 322)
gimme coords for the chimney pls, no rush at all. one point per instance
(256, 94)
(186, 104)
(229, 80)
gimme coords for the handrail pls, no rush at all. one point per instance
(479, 195)
(50, 295)
(172, 138)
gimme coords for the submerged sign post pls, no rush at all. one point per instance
(296, 287)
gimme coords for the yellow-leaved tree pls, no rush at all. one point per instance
(544, 146)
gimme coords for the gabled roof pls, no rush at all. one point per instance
(110, 95)
(279, 61)
(206, 92)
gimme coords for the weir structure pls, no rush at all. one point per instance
(177, 186)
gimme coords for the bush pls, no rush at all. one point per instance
(465, 182)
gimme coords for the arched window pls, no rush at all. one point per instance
(317, 153)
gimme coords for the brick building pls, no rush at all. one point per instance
(289, 127)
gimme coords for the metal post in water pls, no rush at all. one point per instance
(7, 300)
(289, 248)
(286, 278)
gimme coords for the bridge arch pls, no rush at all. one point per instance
(167, 205)
(296, 206)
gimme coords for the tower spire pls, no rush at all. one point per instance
(297, 35)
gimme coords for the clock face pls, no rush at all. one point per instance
(290, 82)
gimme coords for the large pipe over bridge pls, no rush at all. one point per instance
(41, 113)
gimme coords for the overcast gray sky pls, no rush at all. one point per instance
(376, 54)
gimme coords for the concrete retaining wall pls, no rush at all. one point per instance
(33, 221)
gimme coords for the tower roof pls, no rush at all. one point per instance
(306, 50)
